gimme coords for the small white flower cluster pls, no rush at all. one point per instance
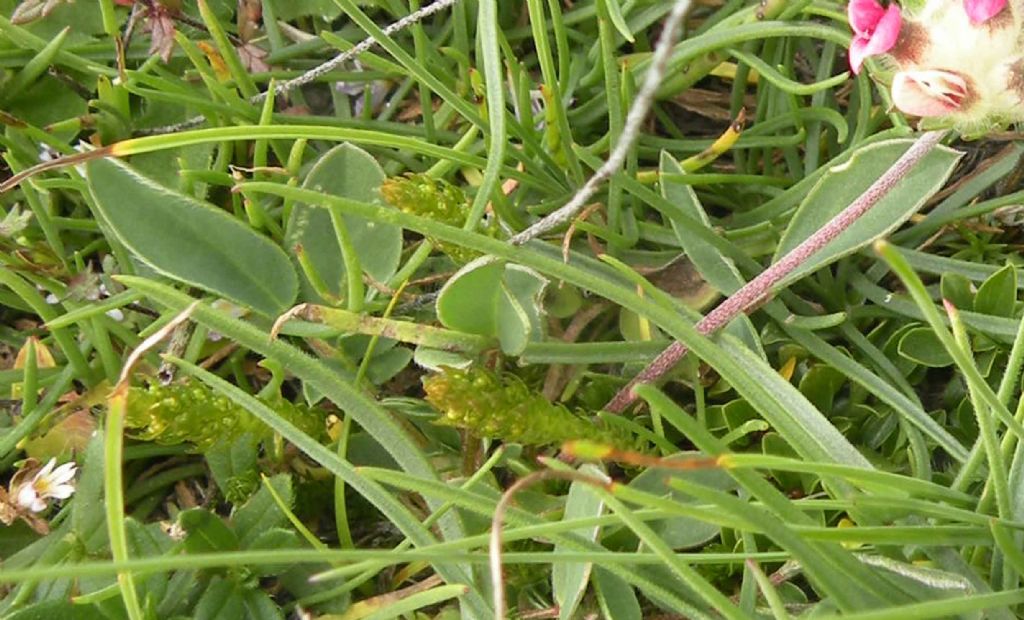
(31, 488)
(49, 482)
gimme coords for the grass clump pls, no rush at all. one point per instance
(382, 384)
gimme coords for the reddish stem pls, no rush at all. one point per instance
(760, 288)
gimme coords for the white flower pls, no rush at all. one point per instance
(48, 483)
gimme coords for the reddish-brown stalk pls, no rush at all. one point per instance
(760, 288)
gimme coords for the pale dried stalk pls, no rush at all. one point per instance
(498, 520)
(146, 345)
(760, 288)
(630, 133)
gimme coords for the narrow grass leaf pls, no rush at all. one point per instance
(943, 608)
(113, 495)
(419, 600)
(874, 480)
(806, 428)
(386, 503)
(569, 581)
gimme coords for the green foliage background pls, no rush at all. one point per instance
(851, 448)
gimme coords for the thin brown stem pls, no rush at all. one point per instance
(761, 288)
(498, 520)
(556, 378)
(54, 164)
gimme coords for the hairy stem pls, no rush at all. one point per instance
(760, 288)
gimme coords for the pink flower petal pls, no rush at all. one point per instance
(980, 11)
(876, 30)
(864, 14)
(858, 53)
(928, 93)
(887, 30)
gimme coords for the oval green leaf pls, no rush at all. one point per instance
(223, 598)
(997, 295)
(682, 532)
(717, 270)
(192, 241)
(492, 298)
(349, 172)
(206, 532)
(843, 184)
(958, 289)
(921, 345)
(616, 597)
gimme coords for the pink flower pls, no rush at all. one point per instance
(875, 29)
(928, 93)
(980, 11)
(954, 63)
